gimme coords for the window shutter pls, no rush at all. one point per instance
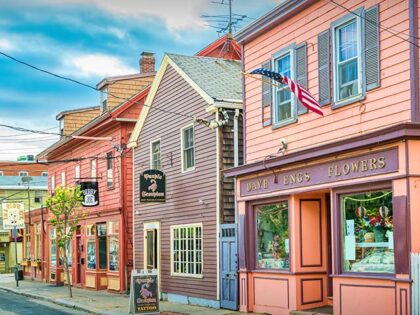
(266, 95)
(401, 239)
(371, 47)
(301, 73)
(324, 68)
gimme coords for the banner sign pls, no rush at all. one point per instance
(90, 193)
(152, 186)
(13, 215)
(144, 293)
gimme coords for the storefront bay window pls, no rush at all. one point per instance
(113, 239)
(367, 232)
(272, 239)
(91, 247)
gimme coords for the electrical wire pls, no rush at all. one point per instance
(24, 134)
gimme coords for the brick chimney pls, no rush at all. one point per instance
(147, 62)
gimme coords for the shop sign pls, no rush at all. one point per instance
(13, 215)
(351, 168)
(90, 194)
(144, 297)
(152, 186)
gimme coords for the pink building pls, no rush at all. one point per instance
(328, 207)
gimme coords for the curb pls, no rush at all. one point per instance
(61, 302)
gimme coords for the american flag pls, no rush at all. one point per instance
(301, 93)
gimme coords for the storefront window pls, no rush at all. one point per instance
(367, 229)
(69, 252)
(273, 236)
(113, 230)
(101, 233)
(91, 253)
(53, 248)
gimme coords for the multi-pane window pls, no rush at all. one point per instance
(155, 155)
(273, 236)
(284, 109)
(23, 173)
(188, 158)
(187, 250)
(368, 232)
(347, 60)
(45, 174)
(93, 168)
(109, 170)
(38, 196)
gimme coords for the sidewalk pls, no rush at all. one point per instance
(94, 302)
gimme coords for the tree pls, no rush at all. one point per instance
(65, 206)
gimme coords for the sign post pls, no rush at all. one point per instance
(13, 219)
(144, 292)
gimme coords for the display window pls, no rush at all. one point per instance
(272, 239)
(113, 240)
(368, 232)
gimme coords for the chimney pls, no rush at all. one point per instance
(147, 62)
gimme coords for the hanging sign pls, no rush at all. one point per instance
(144, 296)
(152, 186)
(13, 215)
(90, 194)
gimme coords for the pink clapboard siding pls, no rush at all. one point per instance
(385, 106)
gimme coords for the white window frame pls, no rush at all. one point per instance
(52, 184)
(93, 168)
(38, 195)
(63, 178)
(160, 153)
(334, 31)
(109, 172)
(188, 275)
(184, 170)
(77, 172)
(45, 173)
(1, 173)
(290, 50)
(21, 172)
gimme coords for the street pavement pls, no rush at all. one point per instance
(14, 304)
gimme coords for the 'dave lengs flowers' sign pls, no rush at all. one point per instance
(152, 186)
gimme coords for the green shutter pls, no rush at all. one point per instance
(301, 73)
(324, 68)
(371, 47)
(266, 94)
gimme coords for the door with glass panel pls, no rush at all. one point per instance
(151, 248)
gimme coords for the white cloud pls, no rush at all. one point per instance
(7, 45)
(176, 14)
(90, 65)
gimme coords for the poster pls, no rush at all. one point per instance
(152, 186)
(144, 293)
(13, 215)
(90, 194)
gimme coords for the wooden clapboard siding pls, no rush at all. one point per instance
(184, 190)
(121, 90)
(385, 106)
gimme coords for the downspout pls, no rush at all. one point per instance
(236, 138)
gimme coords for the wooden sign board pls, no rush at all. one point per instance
(144, 292)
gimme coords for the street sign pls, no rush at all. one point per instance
(144, 292)
(152, 186)
(13, 215)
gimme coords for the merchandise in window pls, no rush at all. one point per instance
(283, 97)
(91, 253)
(367, 229)
(273, 236)
(102, 248)
(53, 248)
(113, 253)
(187, 250)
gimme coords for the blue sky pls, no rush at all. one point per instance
(88, 40)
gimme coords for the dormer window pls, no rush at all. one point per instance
(61, 127)
(104, 99)
(23, 173)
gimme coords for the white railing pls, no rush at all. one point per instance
(415, 275)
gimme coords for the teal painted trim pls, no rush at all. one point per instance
(182, 299)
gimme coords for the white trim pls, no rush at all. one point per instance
(150, 226)
(218, 210)
(134, 210)
(181, 226)
(293, 101)
(63, 178)
(151, 152)
(343, 22)
(182, 148)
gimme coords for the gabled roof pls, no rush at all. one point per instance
(219, 45)
(217, 80)
(113, 79)
(76, 110)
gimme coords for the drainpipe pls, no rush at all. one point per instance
(236, 138)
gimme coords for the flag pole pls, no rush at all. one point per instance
(249, 75)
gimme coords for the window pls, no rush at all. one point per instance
(37, 230)
(63, 179)
(367, 232)
(187, 250)
(53, 248)
(38, 196)
(93, 168)
(23, 173)
(102, 248)
(45, 174)
(27, 243)
(113, 239)
(273, 236)
(104, 99)
(1, 173)
(61, 127)
(347, 60)
(284, 104)
(187, 144)
(90, 247)
(155, 162)
(109, 170)
(77, 172)
(52, 184)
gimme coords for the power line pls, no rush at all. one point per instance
(23, 134)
